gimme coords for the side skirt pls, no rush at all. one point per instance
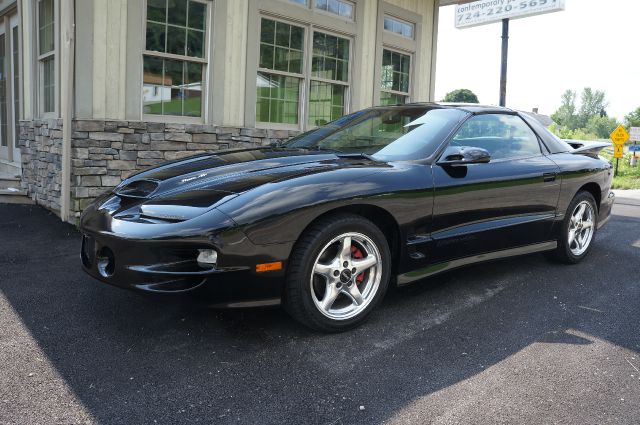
(433, 269)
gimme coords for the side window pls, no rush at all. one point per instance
(504, 136)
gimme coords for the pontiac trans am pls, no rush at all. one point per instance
(326, 221)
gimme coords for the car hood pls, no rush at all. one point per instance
(205, 181)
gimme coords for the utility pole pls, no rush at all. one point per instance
(505, 57)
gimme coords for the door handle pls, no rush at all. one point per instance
(549, 177)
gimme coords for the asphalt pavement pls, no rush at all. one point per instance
(522, 340)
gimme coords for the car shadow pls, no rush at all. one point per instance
(131, 359)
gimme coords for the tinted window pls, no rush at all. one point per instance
(504, 136)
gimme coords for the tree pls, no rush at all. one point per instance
(593, 104)
(565, 116)
(633, 119)
(601, 126)
(461, 96)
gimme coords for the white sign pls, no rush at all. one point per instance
(488, 11)
(635, 134)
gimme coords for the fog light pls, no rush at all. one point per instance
(207, 258)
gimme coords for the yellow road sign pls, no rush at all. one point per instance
(620, 135)
(618, 151)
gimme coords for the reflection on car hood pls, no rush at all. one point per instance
(219, 175)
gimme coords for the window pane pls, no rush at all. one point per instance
(197, 15)
(504, 136)
(157, 10)
(302, 2)
(47, 26)
(326, 102)
(176, 40)
(156, 37)
(330, 57)
(49, 84)
(268, 31)
(177, 12)
(278, 98)
(195, 43)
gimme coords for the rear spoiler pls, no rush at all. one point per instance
(586, 147)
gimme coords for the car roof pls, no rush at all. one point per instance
(473, 108)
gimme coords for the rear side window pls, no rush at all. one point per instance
(504, 136)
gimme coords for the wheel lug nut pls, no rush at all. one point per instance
(345, 264)
(336, 273)
(353, 270)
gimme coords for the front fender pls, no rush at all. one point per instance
(278, 212)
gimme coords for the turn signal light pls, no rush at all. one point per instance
(268, 267)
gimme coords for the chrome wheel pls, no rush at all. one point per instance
(346, 276)
(581, 228)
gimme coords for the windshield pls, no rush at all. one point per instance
(395, 133)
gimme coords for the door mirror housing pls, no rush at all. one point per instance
(463, 155)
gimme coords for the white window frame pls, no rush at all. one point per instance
(306, 75)
(204, 108)
(407, 94)
(312, 4)
(402, 21)
(303, 76)
(394, 42)
(40, 62)
(348, 84)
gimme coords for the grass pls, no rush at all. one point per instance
(628, 177)
(174, 107)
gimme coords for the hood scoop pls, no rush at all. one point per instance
(143, 188)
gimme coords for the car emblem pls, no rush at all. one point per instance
(345, 276)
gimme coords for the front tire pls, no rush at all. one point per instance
(338, 273)
(578, 229)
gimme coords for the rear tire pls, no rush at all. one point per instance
(338, 273)
(578, 230)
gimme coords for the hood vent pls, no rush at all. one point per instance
(138, 189)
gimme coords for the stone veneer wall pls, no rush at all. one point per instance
(105, 152)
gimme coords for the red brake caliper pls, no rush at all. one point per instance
(356, 253)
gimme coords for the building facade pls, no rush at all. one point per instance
(92, 91)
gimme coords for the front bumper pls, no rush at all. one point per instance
(161, 258)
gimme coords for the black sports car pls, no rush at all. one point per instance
(326, 221)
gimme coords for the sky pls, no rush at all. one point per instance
(592, 43)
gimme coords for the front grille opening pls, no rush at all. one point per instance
(138, 189)
(106, 262)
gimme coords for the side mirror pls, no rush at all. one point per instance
(463, 155)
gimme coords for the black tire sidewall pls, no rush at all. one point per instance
(318, 238)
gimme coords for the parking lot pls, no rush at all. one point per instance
(516, 341)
